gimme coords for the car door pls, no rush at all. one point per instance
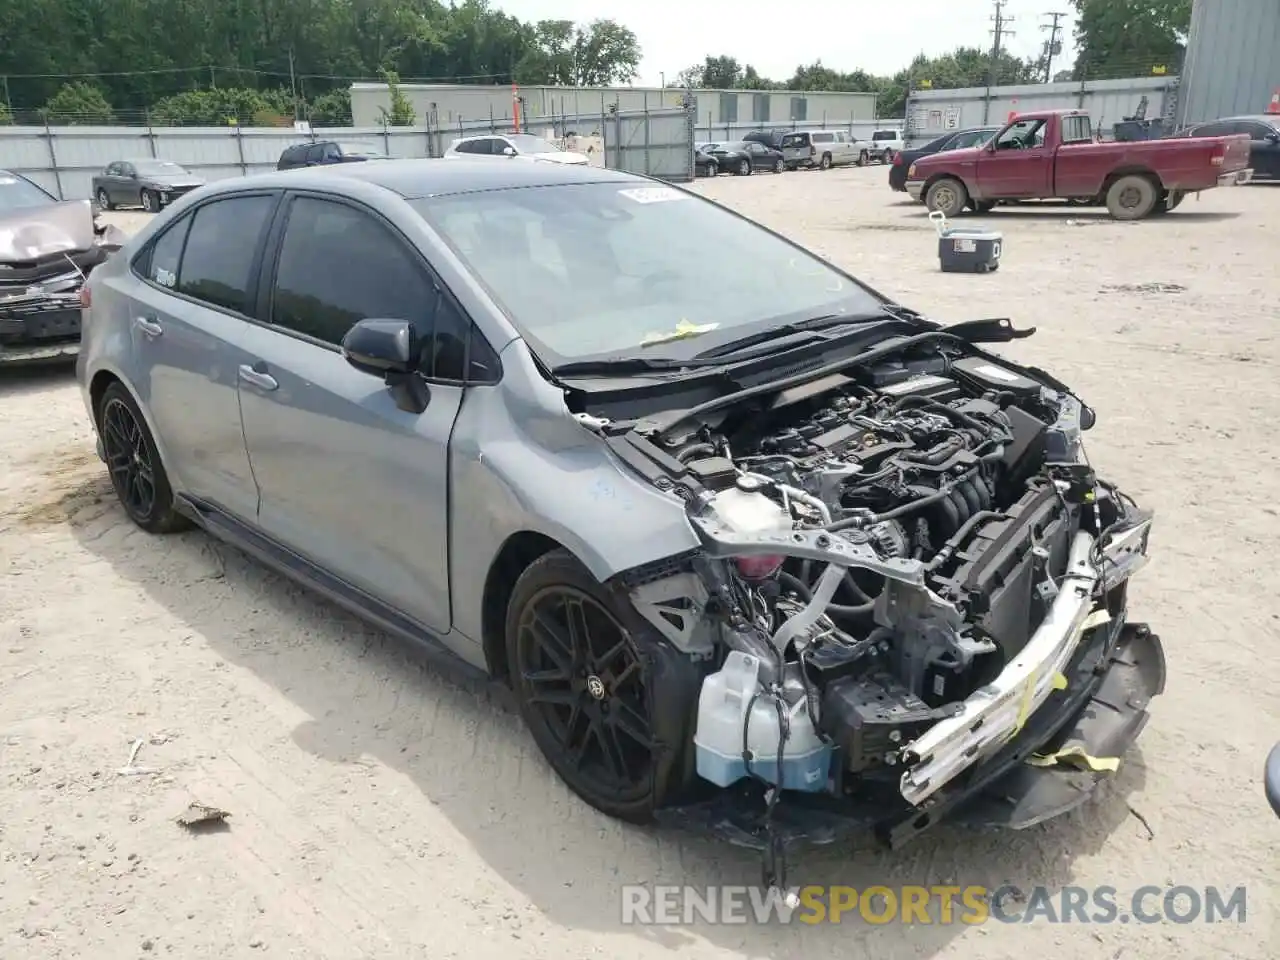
(128, 190)
(1264, 149)
(349, 480)
(1021, 164)
(193, 289)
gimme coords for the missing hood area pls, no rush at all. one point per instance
(910, 589)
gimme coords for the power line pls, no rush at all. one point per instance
(1052, 46)
(254, 71)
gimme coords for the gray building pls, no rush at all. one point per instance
(1232, 64)
(447, 105)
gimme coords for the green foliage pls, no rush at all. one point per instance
(1128, 38)
(332, 109)
(78, 103)
(592, 55)
(225, 105)
(5, 116)
(401, 113)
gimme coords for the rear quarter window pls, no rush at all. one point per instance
(823, 138)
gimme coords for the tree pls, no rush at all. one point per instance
(1127, 38)
(78, 103)
(721, 73)
(225, 105)
(5, 115)
(401, 113)
(690, 77)
(332, 109)
(591, 55)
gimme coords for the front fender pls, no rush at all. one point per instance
(520, 463)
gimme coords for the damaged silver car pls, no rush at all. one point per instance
(47, 248)
(757, 549)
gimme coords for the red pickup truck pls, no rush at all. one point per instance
(1053, 155)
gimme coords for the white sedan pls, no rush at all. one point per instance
(518, 145)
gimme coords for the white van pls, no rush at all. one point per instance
(823, 149)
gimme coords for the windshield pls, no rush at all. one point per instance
(795, 140)
(611, 270)
(359, 150)
(525, 143)
(158, 168)
(17, 193)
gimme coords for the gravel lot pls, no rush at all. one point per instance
(380, 810)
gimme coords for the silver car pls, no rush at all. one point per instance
(723, 518)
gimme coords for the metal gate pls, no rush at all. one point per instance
(656, 143)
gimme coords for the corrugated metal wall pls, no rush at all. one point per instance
(931, 113)
(450, 104)
(1232, 64)
(64, 160)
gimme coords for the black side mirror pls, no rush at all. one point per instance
(1272, 779)
(1274, 137)
(389, 349)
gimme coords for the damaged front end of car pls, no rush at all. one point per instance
(46, 253)
(909, 602)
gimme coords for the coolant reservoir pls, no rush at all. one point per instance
(723, 708)
(748, 512)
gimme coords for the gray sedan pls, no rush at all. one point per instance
(723, 518)
(147, 183)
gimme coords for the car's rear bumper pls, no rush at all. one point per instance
(1063, 752)
(1236, 178)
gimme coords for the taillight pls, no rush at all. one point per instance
(813, 151)
(86, 298)
(1219, 155)
(897, 160)
(759, 567)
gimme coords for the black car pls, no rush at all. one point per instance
(955, 140)
(704, 164)
(47, 248)
(149, 183)
(747, 156)
(321, 152)
(770, 138)
(1263, 131)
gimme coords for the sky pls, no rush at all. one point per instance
(844, 34)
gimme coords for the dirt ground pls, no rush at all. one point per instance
(380, 810)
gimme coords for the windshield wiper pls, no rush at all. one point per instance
(812, 325)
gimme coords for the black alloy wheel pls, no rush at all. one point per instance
(137, 475)
(128, 459)
(582, 688)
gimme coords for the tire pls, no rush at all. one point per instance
(886, 157)
(779, 167)
(744, 168)
(150, 202)
(948, 195)
(825, 162)
(133, 462)
(1132, 197)
(560, 682)
(982, 206)
(713, 170)
(104, 201)
(864, 158)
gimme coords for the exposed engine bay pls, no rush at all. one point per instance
(899, 562)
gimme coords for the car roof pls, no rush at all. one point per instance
(412, 179)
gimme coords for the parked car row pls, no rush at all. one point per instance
(1263, 132)
(780, 150)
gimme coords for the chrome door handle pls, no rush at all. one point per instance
(149, 327)
(259, 378)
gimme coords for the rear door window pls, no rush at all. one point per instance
(822, 138)
(219, 259)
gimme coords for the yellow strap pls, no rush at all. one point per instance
(1075, 756)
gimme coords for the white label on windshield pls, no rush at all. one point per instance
(653, 194)
(7, 181)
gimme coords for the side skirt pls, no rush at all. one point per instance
(284, 561)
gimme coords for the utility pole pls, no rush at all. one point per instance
(999, 32)
(293, 86)
(1052, 46)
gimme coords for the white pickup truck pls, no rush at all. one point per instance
(886, 144)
